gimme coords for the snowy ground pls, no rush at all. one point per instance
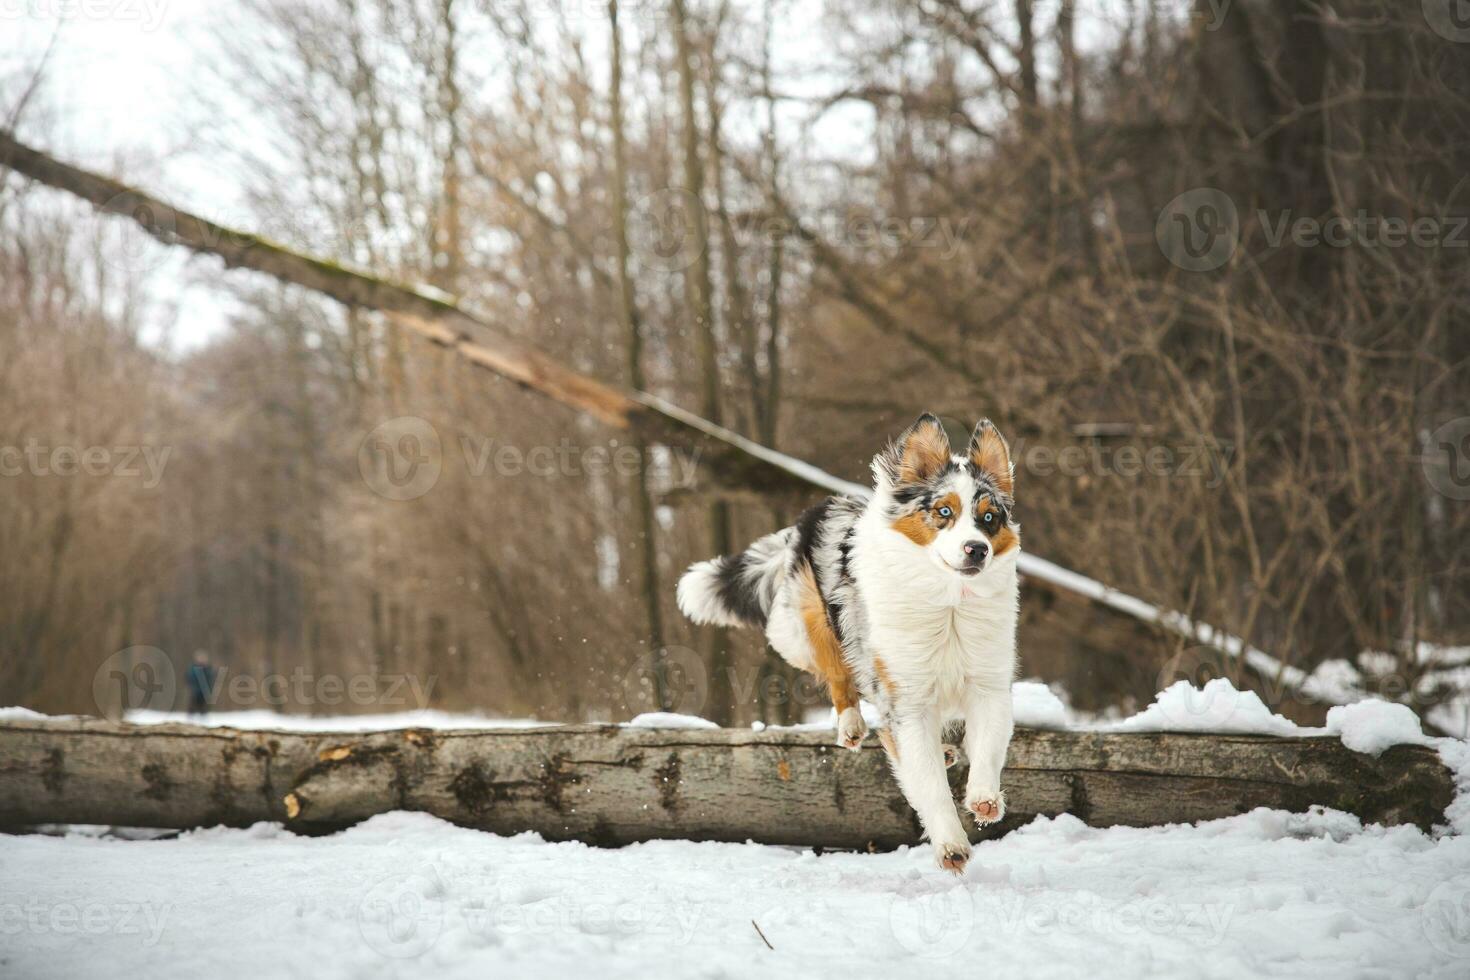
(406, 895)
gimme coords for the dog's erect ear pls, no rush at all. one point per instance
(917, 455)
(989, 452)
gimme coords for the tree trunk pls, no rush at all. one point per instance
(1030, 89)
(701, 303)
(633, 338)
(611, 785)
(447, 247)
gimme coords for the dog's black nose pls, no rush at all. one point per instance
(975, 551)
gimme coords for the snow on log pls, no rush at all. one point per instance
(612, 785)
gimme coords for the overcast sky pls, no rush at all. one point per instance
(118, 83)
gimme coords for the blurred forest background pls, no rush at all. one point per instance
(808, 228)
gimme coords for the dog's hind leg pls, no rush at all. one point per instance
(830, 665)
(885, 736)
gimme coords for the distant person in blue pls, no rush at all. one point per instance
(200, 681)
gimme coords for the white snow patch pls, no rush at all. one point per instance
(1456, 755)
(1373, 725)
(1037, 706)
(1217, 707)
(1342, 682)
(17, 713)
(668, 719)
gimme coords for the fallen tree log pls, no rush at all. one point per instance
(612, 785)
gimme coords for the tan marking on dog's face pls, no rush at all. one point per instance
(826, 650)
(1002, 540)
(917, 528)
(950, 500)
(925, 453)
(922, 526)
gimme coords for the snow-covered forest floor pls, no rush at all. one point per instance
(407, 895)
(1265, 893)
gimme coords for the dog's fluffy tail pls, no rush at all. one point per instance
(738, 590)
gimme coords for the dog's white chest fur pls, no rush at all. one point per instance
(938, 636)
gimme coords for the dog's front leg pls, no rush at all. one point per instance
(988, 728)
(918, 760)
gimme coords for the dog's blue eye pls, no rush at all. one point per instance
(989, 518)
(946, 513)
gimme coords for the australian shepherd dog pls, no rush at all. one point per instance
(907, 600)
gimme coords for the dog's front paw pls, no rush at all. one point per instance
(986, 808)
(951, 755)
(952, 856)
(851, 729)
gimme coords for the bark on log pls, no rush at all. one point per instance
(612, 785)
